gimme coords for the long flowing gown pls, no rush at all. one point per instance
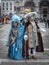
(15, 49)
(19, 43)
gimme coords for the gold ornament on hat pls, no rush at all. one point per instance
(27, 11)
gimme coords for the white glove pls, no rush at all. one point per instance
(25, 37)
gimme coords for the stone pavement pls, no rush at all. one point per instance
(25, 63)
(41, 57)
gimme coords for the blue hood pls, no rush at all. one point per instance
(16, 18)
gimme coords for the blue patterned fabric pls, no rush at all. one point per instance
(19, 43)
(15, 50)
(11, 51)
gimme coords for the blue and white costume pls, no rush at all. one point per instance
(15, 45)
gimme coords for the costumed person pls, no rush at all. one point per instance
(30, 38)
(40, 47)
(5, 20)
(16, 39)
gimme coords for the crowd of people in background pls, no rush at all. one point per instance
(6, 18)
(46, 21)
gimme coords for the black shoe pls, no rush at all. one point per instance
(33, 57)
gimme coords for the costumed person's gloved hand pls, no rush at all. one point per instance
(25, 36)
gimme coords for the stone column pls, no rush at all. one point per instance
(36, 2)
(0, 12)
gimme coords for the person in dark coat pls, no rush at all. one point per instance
(40, 47)
(48, 22)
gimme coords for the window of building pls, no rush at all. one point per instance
(14, 8)
(21, 1)
(3, 4)
(7, 6)
(17, 2)
(10, 6)
(0, 13)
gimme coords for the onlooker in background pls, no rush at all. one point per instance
(41, 20)
(45, 20)
(5, 20)
(48, 23)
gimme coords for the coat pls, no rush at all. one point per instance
(33, 40)
(40, 47)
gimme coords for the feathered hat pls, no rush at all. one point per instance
(27, 11)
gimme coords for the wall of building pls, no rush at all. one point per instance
(5, 11)
(0, 10)
(21, 4)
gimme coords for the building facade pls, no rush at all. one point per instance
(18, 6)
(0, 10)
(7, 6)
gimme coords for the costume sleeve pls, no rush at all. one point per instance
(12, 37)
